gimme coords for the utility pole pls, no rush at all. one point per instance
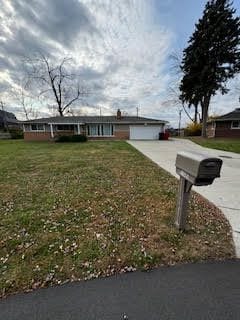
(179, 124)
(137, 111)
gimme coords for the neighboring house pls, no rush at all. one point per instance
(226, 126)
(7, 120)
(95, 127)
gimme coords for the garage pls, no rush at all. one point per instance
(143, 132)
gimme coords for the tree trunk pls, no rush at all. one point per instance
(195, 113)
(60, 111)
(205, 106)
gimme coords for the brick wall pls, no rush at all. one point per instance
(121, 135)
(37, 136)
(121, 132)
(223, 130)
(44, 136)
(102, 138)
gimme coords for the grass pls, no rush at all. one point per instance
(227, 144)
(80, 211)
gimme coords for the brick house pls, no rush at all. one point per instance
(226, 126)
(95, 127)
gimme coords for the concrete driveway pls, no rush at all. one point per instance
(224, 192)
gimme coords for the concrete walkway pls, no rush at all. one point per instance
(193, 291)
(224, 192)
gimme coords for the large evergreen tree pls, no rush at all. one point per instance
(212, 56)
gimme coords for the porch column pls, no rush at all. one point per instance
(78, 126)
(51, 129)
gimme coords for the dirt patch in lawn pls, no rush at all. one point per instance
(80, 211)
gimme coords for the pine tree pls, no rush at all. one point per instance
(212, 56)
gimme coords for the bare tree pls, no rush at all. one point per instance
(57, 82)
(75, 112)
(175, 93)
(174, 100)
(25, 99)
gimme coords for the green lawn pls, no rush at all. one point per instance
(79, 211)
(226, 144)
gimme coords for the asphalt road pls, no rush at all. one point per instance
(193, 291)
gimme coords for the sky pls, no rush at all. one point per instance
(121, 52)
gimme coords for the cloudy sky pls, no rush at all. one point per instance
(121, 50)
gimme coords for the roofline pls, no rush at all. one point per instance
(86, 122)
(63, 123)
(226, 119)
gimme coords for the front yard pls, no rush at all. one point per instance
(227, 144)
(79, 211)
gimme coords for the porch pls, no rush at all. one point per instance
(61, 129)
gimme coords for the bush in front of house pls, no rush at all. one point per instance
(79, 138)
(73, 138)
(16, 133)
(63, 139)
(193, 129)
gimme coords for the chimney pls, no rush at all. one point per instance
(119, 114)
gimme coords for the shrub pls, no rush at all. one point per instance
(79, 138)
(63, 139)
(16, 133)
(193, 129)
(74, 138)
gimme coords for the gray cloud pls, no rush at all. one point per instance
(60, 20)
(43, 27)
(5, 63)
(3, 87)
(23, 44)
(88, 73)
(117, 53)
(34, 25)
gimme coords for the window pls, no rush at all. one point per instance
(235, 125)
(37, 127)
(93, 130)
(107, 130)
(65, 127)
(100, 129)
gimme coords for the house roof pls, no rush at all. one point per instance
(8, 117)
(94, 119)
(234, 115)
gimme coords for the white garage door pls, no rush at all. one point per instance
(145, 132)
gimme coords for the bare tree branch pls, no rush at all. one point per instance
(24, 98)
(56, 81)
(175, 101)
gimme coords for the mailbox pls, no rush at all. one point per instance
(197, 168)
(194, 169)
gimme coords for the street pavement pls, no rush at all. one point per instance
(204, 291)
(224, 192)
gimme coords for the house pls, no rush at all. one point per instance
(7, 120)
(226, 126)
(95, 127)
